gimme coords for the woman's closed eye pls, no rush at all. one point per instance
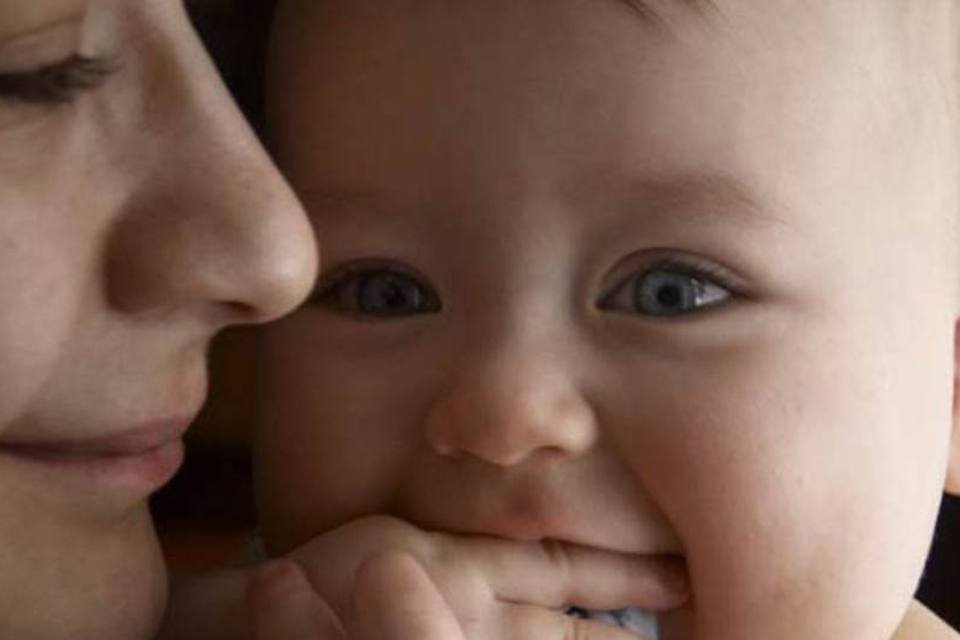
(666, 290)
(57, 82)
(376, 292)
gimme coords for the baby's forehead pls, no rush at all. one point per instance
(768, 50)
(835, 113)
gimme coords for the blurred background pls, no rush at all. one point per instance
(206, 515)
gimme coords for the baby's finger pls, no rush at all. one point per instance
(394, 599)
(523, 622)
(284, 606)
(554, 574)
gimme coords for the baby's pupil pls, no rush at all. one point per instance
(390, 293)
(665, 292)
(669, 296)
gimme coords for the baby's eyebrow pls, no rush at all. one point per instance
(648, 11)
(693, 197)
(706, 198)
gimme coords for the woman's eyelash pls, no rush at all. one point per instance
(58, 82)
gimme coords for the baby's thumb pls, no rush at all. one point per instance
(284, 606)
(394, 599)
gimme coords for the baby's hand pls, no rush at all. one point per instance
(395, 600)
(282, 605)
(383, 579)
(496, 589)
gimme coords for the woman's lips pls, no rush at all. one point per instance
(138, 460)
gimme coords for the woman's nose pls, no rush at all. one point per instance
(213, 228)
(509, 407)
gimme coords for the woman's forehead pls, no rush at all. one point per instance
(18, 18)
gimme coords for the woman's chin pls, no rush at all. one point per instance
(107, 583)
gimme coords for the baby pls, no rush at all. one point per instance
(639, 279)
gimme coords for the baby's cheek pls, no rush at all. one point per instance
(332, 438)
(769, 562)
(311, 480)
(785, 503)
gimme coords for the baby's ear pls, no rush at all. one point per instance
(953, 465)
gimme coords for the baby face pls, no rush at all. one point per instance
(666, 282)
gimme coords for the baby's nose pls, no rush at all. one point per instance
(508, 409)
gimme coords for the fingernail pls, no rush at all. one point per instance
(274, 573)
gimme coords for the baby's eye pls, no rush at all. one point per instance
(665, 292)
(379, 293)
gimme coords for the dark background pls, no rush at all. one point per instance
(206, 514)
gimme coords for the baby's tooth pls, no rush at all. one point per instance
(639, 621)
(609, 617)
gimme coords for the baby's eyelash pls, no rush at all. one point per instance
(697, 269)
(58, 82)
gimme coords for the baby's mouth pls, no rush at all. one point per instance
(639, 621)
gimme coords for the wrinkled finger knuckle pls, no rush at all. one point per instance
(386, 527)
(577, 629)
(389, 565)
(524, 623)
(558, 555)
(437, 548)
(516, 623)
(273, 581)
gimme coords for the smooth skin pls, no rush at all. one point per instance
(495, 181)
(380, 574)
(138, 216)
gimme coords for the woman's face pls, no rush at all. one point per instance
(138, 215)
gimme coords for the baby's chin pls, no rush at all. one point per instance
(640, 622)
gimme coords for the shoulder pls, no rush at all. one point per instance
(921, 624)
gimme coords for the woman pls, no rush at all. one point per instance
(138, 216)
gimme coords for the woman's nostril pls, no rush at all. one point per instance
(242, 310)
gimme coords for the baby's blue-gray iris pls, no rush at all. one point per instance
(667, 293)
(377, 292)
(389, 294)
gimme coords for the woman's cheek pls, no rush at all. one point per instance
(33, 326)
